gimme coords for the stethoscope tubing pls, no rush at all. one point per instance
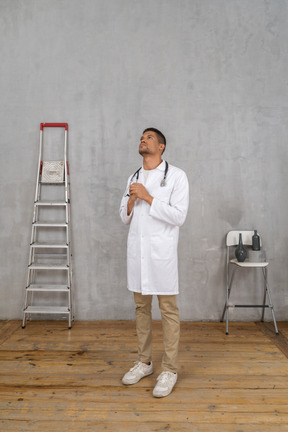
(163, 181)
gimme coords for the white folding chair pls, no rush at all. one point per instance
(232, 240)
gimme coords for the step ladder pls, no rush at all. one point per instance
(49, 279)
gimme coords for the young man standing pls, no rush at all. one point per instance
(155, 205)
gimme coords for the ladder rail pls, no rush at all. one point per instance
(66, 171)
(39, 165)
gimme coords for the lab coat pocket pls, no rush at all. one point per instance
(163, 194)
(162, 249)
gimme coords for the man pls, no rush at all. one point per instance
(155, 205)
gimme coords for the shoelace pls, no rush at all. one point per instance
(164, 377)
(136, 366)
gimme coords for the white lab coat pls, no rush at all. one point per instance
(152, 262)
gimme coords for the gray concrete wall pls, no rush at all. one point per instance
(212, 74)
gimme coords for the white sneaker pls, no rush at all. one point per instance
(137, 372)
(165, 383)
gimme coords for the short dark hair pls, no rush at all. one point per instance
(160, 136)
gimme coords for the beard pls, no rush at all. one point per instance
(143, 151)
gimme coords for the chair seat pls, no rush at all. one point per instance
(248, 264)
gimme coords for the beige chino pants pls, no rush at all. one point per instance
(170, 325)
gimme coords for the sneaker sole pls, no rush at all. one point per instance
(162, 395)
(135, 382)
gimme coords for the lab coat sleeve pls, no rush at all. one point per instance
(123, 206)
(176, 210)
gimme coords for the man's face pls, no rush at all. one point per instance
(149, 144)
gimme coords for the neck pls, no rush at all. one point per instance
(151, 163)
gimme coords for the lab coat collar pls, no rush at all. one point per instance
(160, 167)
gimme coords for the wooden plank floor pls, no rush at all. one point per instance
(54, 379)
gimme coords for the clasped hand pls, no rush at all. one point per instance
(137, 190)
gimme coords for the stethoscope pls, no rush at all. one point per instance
(136, 174)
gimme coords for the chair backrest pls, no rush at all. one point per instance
(232, 238)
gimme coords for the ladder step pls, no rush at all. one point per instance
(47, 310)
(49, 245)
(39, 257)
(48, 267)
(48, 288)
(52, 183)
(50, 224)
(50, 203)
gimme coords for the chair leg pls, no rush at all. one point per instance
(226, 303)
(227, 320)
(226, 307)
(223, 314)
(226, 310)
(265, 292)
(270, 302)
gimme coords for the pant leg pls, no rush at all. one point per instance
(171, 331)
(144, 326)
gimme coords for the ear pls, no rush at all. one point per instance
(161, 147)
